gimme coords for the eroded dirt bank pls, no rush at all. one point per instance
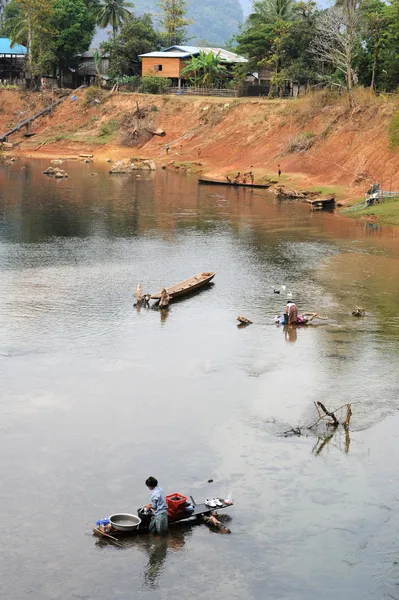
(317, 140)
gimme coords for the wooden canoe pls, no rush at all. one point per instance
(263, 186)
(187, 286)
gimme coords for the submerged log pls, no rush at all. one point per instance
(213, 522)
(244, 320)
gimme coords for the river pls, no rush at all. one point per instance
(97, 395)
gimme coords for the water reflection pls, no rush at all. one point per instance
(155, 548)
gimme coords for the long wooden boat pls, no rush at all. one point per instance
(263, 186)
(187, 286)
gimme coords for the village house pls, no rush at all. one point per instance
(260, 84)
(12, 62)
(171, 61)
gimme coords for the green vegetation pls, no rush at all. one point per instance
(154, 85)
(173, 21)
(385, 213)
(137, 35)
(112, 12)
(352, 42)
(205, 69)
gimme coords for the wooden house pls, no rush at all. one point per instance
(170, 62)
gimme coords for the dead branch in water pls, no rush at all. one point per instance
(329, 414)
(331, 427)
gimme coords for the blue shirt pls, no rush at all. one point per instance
(158, 500)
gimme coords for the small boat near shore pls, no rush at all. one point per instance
(321, 203)
(187, 286)
(263, 186)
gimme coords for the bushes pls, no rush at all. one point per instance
(154, 85)
(94, 95)
(108, 129)
(301, 141)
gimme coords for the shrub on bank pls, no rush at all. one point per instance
(301, 141)
(154, 85)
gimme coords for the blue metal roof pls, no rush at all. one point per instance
(5, 47)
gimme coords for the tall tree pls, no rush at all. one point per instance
(112, 12)
(31, 26)
(276, 36)
(337, 43)
(137, 36)
(73, 27)
(173, 21)
(374, 22)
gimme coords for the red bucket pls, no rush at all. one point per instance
(176, 503)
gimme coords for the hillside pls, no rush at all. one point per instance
(317, 140)
(214, 21)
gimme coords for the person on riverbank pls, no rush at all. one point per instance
(279, 170)
(167, 149)
(158, 507)
(237, 178)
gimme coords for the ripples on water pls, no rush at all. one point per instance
(96, 395)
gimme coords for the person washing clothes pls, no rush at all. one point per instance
(291, 313)
(158, 507)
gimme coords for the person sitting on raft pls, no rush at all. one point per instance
(291, 311)
(301, 319)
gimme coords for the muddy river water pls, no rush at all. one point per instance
(96, 395)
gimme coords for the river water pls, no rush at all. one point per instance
(97, 395)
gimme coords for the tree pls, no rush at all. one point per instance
(112, 12)
(73, 27)
(137, 36)
(30, 25)
(277, 35)
(374, 22)
(206, 69)
(173, 21)
(337, 43)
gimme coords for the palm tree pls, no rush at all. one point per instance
(206, 68)
(269, 11)
(112, 12)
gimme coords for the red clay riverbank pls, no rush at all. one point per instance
(346, 148)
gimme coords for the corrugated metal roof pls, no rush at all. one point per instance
(187, 51)
(5, 48)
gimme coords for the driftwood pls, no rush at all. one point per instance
(328, 413)
(244, 320)
(111, 538)
(212, 521)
